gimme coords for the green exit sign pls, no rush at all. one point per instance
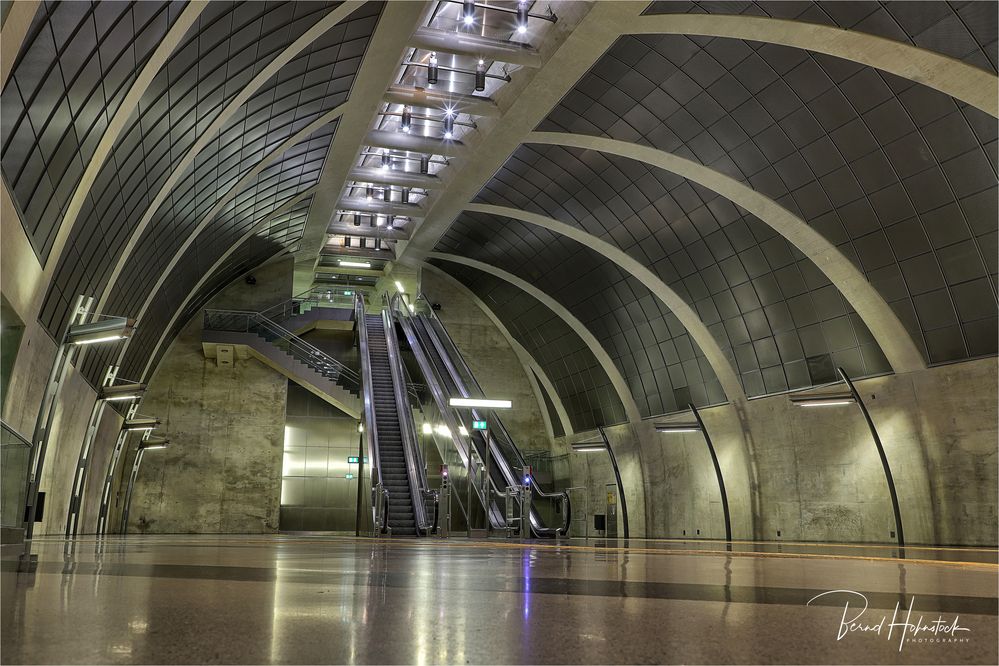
(353, 460)
(479, 425)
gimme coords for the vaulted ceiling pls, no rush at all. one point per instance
(667, 203)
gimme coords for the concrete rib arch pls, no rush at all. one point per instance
(891, 335)
(687, 315)
(312, 34)
(601, 355)
(530, 364)
(962, 81)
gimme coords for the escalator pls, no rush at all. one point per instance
(398, 476)
(443, 365)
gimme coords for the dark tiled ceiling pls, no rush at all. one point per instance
(587, 394)
(228, 46)
(777, 318)
(664, 369)
(901, 178)
(282, 233)
(962, 30)
(78, 63)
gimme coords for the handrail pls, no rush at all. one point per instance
(316, 295)
(21, 439)
(462, 447)
(414, 463)
(323, 359)
(507, 445)
(370, 425)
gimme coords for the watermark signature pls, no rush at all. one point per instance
(904, 629)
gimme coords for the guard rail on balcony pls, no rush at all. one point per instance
(239, 321)
(15, 453)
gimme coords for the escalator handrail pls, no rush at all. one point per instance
(463, 447)
(493, 418)
(415, 469)
(370, 426)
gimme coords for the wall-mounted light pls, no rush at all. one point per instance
(140, 424)
(677, 427)
(386, 160)
(122, 392)
(150, 445)
(468, 12)
(424, 165)
(822, 400)
(369, 193)
(480, 403)
(105, 330)
(428, 429)
(588, 447)
(355, 264)
(521, 17)
(433, 70)
(448, 124)
(398, 285)
(407, 119)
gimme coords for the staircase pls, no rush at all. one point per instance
(282, 350)
(392, 458)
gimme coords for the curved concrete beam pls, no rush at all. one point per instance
(147, 371)
(272, 68)
(531, 365)
(967, 83)
(233, 191)
(12, 34)
(114, 129)
(895, 341)
(603, 358)
(687, 315)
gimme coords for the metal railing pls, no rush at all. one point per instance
(379, 494)
(510, 459)
(446, 430)
(241, 321)
(317, 297)
(15, 456)
(416, 470)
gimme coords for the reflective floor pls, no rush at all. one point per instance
(321, 599)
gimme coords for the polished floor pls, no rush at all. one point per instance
(321, 599)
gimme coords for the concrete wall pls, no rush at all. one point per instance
(817, 475)
(491, 359)
(222, 470)
(23, 283)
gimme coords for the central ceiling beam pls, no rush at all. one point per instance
(473, 105)
(393, 177)
(379, 207)
(378, 71)
(413, 143)
(384, 232)
(475, 46)
(573, 46)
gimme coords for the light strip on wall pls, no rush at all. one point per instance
(480, 403)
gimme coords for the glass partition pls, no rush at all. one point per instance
(14, 456)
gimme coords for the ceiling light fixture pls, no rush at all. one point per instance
(480, 75)
(433, 71)
(105, 330)
(521, 17)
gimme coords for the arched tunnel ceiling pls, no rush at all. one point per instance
(897, 176)
(900, 177)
